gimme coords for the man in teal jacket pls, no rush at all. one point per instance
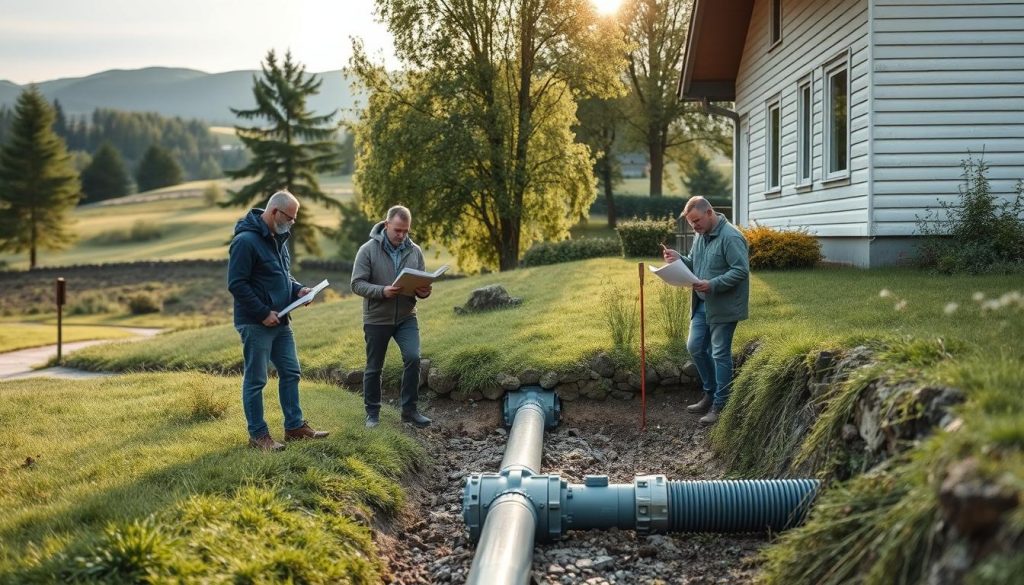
(720, 259)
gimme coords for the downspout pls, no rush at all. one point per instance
(713, 110)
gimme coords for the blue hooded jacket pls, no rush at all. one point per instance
(259, 271)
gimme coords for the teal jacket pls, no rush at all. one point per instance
(721, 257)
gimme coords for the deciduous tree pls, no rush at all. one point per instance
(656, 33)
(475, 133)
(38, 184)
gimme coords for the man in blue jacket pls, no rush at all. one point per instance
(260, 280)
(718, 302)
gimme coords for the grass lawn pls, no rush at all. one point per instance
(15, 335)
(562, 320)
(162, 488)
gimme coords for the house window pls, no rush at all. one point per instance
(804, 105)
(773, 150)
(837, 120)
(776, 22)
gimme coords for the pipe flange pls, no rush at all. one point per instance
(651, 496)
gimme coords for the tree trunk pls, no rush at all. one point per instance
(657, 165)
(508, 254)
(609, 198)
(32, 241)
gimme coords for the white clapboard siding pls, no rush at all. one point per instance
(948, 80)
(814, 34)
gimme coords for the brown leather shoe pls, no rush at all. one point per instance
(265, 443)
(304, 432)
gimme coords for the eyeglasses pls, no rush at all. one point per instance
(290, 218)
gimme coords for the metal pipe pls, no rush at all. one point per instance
(504, 554)
(525, 446)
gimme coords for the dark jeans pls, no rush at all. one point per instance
(407, 335)
(710, 346)
(275, 344)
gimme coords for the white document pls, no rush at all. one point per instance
(411, 279)
(676, 273)
(308, 297)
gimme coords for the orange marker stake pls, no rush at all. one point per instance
(643, 356)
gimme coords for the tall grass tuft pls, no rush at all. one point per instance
(621, 315)
(132, 552)
(201, 401)
(673, 310)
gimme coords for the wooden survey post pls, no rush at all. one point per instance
(61, 299)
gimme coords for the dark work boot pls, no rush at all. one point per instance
(712, 416)
(700, 407)
(416, 419)
(372, 420)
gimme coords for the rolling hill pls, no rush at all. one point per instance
(175, 92)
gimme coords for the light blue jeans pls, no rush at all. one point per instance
(710, 346)
(276, 345)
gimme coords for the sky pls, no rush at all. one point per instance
(42, 40)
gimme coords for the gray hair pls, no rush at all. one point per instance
(400, 211)
(281, 199)
(697, 202)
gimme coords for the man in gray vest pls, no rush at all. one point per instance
(719, 257)
(388, 314)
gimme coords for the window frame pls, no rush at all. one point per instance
(805, 131)
(834, 67)
(774, 23)
(772, 105)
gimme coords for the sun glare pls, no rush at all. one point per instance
(606, 6)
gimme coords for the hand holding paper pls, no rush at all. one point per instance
(676, 273)
(305, 299)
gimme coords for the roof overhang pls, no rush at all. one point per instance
(714, 47)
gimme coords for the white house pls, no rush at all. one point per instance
(852, 116)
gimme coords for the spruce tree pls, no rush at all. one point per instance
(38, 184)
(290, 147)
(106, 176)
(703, 179)
(157, 169)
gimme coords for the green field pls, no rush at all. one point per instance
(15, 335)
(191, 228)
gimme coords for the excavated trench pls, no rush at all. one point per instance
(429, 543)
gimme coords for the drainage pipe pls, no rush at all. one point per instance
(650, 504)
(504, 553)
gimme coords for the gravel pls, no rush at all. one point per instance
(428, 544)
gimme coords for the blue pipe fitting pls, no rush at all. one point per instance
(650, 504)
(547, 400)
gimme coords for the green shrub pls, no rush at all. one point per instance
(639, 206)
(212, 194)
(91, 303)
(780, 249)
(142, 303)
(544, 253)
(643, 237)
(980, 234)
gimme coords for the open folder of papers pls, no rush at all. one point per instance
(676, 273)
(411, 279)
(306, 298)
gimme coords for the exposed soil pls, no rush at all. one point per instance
(429, 544)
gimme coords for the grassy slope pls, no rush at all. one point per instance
(561, 320)
(99, 470)
(14, 336)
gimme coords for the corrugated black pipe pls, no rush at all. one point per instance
(739, 505)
